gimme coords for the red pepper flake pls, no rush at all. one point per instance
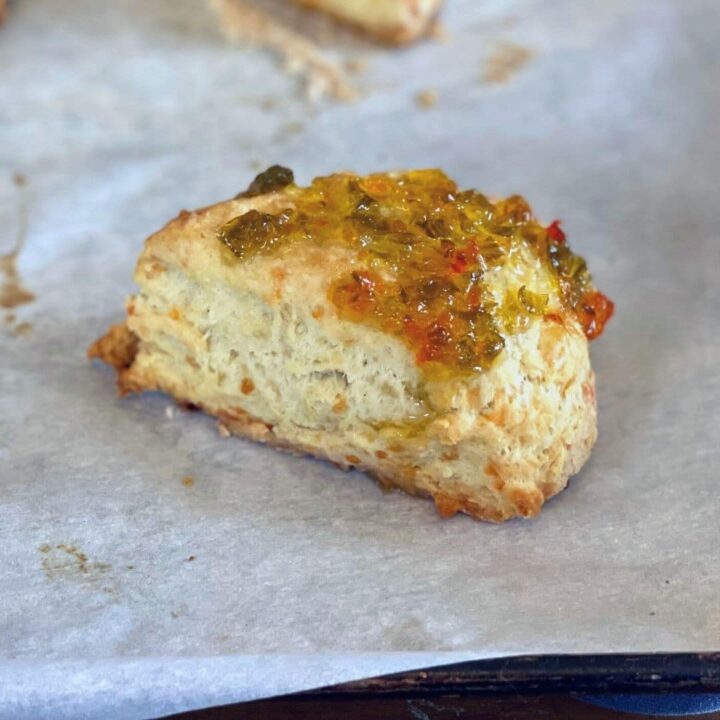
(413, 330)
(594, 312)
(464, 257)
(419, 338)
(473, 298)
(555, 233)
(459, 263)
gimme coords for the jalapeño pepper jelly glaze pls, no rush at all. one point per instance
(429, 256)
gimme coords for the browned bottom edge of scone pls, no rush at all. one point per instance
(119, 346)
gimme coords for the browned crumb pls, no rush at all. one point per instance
(189, 558)
(117, 347)
(188, 481)
(18, 178)
(505, 61)
(9, 318)
(426, 98)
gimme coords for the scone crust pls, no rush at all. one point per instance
(498, 445)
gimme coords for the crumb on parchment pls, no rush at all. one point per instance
(426, 98)
(506, 60)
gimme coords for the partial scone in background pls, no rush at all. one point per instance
(394, 21)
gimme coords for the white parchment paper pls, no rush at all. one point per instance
(121, 113)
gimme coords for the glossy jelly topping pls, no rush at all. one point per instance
(431, 258)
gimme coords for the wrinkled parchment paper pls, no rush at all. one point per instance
(126, 593)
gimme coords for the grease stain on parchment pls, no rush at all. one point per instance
(12, 291)
(65, 562)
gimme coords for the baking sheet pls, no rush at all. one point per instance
(121, 113)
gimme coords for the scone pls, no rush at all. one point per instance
(395, 21)
(392, 323)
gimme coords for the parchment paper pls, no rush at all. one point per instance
(124, 592)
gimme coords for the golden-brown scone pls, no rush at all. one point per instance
(394, 21)
(391, 323)
(2, 11)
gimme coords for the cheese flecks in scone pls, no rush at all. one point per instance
(391, 322)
